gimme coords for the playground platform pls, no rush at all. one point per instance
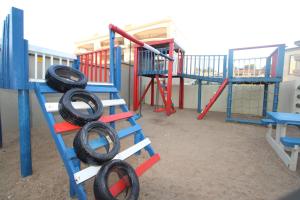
(241, 165)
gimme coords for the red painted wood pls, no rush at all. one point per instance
(145, 92)
(101, 66)
(213, 99)
(66, 126)
(118, 187)
(274, 63)
(105, 66)
(169, 103)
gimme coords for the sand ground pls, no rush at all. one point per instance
(208, 159)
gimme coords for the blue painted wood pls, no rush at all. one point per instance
(267, 121)
(284, 118)
(244, 121)
(199, 108)
(229, 101)
(44, 88)
(290, 141)
(60, 145)
(97, 143)
(275, 97)
(25, 138)
(111, 55)
(265, 100)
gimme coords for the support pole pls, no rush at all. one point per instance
(265, 100)
(199, 109)
(152, 91)
(135, 80)
(229, 101)
(276, 95)
(1, 143)
(181, 92)
(24, 126)
(170, 76)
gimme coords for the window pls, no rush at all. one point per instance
(292, 64)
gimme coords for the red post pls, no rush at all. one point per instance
(95, 67)
(169, 107)
(105, 66)
(152, 91)
(92, 66)
(101, 66)
(86, 65)
(135, 80)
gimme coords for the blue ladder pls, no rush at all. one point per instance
(67, 154)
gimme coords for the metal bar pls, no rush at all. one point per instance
(257, 47)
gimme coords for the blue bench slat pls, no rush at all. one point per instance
(290, 141)
(268, 121)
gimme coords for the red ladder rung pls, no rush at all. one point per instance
(118, 187)
(66, 126)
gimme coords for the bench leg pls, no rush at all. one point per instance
(294, 158)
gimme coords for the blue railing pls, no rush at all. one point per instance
(151, 63)
(204, 66)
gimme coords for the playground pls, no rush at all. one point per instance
(158, 149)
(240, 165)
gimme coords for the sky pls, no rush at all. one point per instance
(203, 26)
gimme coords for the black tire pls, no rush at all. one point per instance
(101, 188)
(63, 78)
(77, 117)
(86, 153)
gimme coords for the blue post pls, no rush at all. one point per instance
(276, 95)
(1, 143)
(280, 61)
(225, 67)
(24, 126)
(229, 101)
(111, 55)
(265, 100)
(76, 63)
(112, 69)
(118, 68)
(199, 109)
(230, 65)
(268, 67)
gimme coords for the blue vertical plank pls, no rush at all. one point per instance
(265, 100)
(225, 67)
(199, 109)
(275, 98)
(118, 68)
(24, 126)
(280, 61)
(111, 55)
(229, 101)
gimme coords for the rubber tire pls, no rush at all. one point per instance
(74, 116)
(88, 155)
(101, 190)
(58, 78)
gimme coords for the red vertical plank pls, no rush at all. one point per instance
(86, 65)
(81, 65)
(170, 76)
(105, 66)
(135, 80)
(92, 66)
(95, 67)
(101, 53)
